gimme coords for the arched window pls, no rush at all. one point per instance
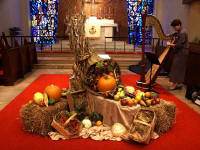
(134, 9)
(44, 20)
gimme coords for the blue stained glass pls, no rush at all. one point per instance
(134, 9)
(44, 20)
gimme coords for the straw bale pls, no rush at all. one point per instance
(166, 114)
(38, 119)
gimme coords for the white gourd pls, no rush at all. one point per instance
(87, 123)
(118, 130)
(130, 89)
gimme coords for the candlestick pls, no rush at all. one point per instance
(113, 13)
(100, 16)
(109, 13)
(104, 12)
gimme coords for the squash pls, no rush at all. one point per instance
(46, 100)
(106, 83)
(53, 92)
(118, 130)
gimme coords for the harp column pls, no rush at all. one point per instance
(142, 78)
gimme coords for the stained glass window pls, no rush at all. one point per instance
(134, 9)
(44, 20)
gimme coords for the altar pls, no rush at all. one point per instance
(100, 28)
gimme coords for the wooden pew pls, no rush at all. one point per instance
(15, 62)
(11, 64)
(5, 40)
(32, 50)
(192, 76)
(25, 57)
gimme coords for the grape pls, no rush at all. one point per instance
(130, 95)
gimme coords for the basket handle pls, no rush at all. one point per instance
(68, 120)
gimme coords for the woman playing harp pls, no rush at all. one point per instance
(181, 46)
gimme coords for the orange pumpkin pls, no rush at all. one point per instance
(106, 83)
(54, 92)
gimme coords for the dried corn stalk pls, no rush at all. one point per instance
(84, 55)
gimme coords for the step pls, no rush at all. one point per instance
(54, 54)
(97, 49)
(52, 66)
(118, 56)
(69, 65)
(55, 60)
(64, 66)
(121, 62)
(71, 59)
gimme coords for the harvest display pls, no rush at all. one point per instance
(97, 105)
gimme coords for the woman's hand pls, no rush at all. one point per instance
(170, 44)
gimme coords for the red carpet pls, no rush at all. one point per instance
(122, 52)
(1, 72)
(185, 135)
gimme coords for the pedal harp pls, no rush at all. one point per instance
(150, 20)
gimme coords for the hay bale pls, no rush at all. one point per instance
(38, 119)
(166, 114)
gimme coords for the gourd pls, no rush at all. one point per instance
(87, 123)
(118, 130)
(130, 89)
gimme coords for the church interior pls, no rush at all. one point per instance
(103, 74)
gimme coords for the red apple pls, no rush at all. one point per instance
(135, 93)
(42, 104)
(106, 95)
(153, 102)
(124, 102)
(95, 88)
(157, 100)
(131, 103)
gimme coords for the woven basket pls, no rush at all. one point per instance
(143, 126)
(62, 129)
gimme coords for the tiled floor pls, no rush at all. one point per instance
(8, 93)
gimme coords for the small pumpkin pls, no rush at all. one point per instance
(106, 83)
(53, 92)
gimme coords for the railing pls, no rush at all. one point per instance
(125, 47)
(111, 44)
(42, 47)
